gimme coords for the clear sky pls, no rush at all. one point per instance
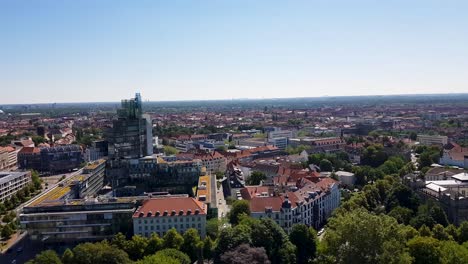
(106, 50)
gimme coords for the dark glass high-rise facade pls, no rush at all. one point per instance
(131, 134)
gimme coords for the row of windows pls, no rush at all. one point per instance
(169, 220)
(163, 227)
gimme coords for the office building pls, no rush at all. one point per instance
(76, 221)
(131, 134)
(98, 150)
(11, 182)
(429, 140)
(50, 159)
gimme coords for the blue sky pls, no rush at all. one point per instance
(105, 50)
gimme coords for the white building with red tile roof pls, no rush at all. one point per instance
(309, 203)
(158, 215)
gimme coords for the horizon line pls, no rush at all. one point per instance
(241, 98)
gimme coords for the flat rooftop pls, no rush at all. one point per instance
(204, 189)
(7, 176)
(461, 177)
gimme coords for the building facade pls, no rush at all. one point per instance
(77, 221)
(159, 215)
(50, 159)
(11, 182)
(310, 204)
(428, 140)
(131, 134)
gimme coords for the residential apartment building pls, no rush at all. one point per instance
(11, 182)
(308, 203)
(3, 159)
(158, 215)
(213, 162)
(429, 140)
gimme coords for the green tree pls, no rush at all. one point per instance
(191, 240)
(155, 243)
(326, 165)
(425, 231)
(439, 233)
(239, 207)
(438, 215)
(401, 214)
(100, 252)
(2, 208)
(453, 253)
(7, 231)
(212, 227)
(256, 177)
(153, 259)
(208, 247)
(219, 175)
(181, 257)
(425, 250)
(38, 140)
(368, 238)
(68, 257)
(463, 232)
(119, 241)
(452, 231)
(230, 238)
(37, 182)
(172, 239)
(374, 156)
(46, 257)
(136, 247)
(305, 240)
(168, 150)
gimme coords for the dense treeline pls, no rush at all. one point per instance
(387, 223)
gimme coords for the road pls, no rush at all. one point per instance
(223, 208)
(29, 250)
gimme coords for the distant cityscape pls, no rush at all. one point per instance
(214, 175)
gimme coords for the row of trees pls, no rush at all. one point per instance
(172, 248)
(329, 162)
(8, 216)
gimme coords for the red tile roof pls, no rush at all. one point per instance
(250, 192)
(180, 205)
(29, 150)
(258, 204)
